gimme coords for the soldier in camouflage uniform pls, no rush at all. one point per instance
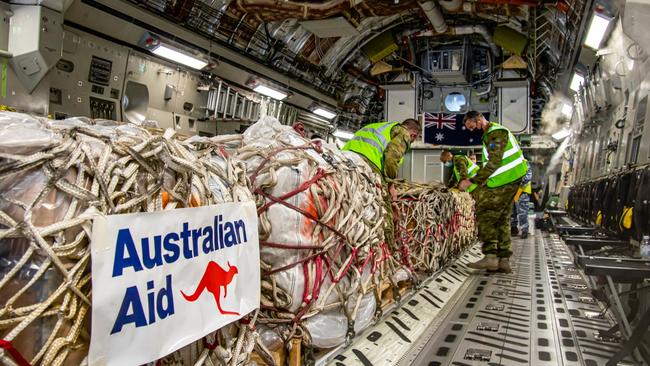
(462, 167)
(472, 157)
(497, 181)
(383, 145)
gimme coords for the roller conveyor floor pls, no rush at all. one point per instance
(541, 314)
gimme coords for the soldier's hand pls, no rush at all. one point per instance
(464, 184)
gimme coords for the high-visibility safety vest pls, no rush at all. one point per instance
(472, 169)
(513, 165)
(371, 141)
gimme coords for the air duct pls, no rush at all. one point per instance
(451, 5)
(434, 15)
(545, 89)
(275, 10)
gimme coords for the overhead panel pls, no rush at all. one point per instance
(514, 108)
(510, 40)
(514, 104)
(35, 42)
(329, 28)
(380, 47)
(89, 78)
(447, 65)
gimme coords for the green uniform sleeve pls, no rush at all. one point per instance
(496, 143)
(460, 165)
(397, 147)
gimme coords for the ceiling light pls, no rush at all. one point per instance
(171, 54)
(343, 135)
(561, 134)
(596, 32)
(576, 81)
(324, 113)
(567, 110)
(275, 94)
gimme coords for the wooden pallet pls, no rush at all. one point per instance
(386, 295)
(405, 287)
(280, 355)
(387, 292)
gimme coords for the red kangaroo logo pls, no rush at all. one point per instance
(213, 278)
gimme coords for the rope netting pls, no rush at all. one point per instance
(435, 225)
(55, 176)
(323, 254)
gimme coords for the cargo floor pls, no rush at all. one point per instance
(541, 314)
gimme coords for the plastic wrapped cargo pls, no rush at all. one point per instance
(55, 176)
(321, 232)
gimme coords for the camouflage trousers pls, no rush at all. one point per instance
(493, 209)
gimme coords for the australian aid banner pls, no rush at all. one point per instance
(162, 280)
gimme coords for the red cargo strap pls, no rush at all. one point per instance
(210, 346)
(20, 360)
(320, 173)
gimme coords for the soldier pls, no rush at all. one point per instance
(472, 157)
(383, 146)
(463, 168)
(497, 183)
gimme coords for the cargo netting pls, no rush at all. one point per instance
(325, 265)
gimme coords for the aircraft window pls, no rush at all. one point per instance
(454, 102)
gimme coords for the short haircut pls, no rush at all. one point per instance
(446, 153)
(471, 115)
(411, 123)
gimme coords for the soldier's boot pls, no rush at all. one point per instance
(489, 262)
(504, 265)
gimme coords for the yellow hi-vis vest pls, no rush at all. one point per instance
(513, 165)
(371, 142)
(472, 169)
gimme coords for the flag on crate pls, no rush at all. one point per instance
(448, 129)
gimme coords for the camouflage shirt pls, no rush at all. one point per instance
(398, 146)
(460, 166)
(495, 143)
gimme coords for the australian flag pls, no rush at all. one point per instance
(448, 129)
